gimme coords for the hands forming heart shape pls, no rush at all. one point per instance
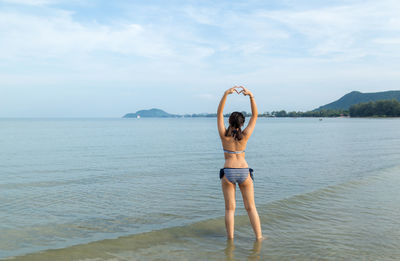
(244, 90)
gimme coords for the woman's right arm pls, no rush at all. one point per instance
(254, 113)
(220, 114)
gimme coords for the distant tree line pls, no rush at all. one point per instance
(315, 113)
(383, 108)
(283, 113)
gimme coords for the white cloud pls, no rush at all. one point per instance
(339, 32)
(42, 37)
(347, 29)
(342, 32)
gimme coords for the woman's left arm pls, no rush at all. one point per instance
(220, 114)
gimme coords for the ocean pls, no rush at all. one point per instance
(149, 189)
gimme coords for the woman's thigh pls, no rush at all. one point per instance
(229, 190)
(247, 189)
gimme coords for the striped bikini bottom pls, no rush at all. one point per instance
(234, 175)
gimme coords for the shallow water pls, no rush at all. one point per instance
(325, 190)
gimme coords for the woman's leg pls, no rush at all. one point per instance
(247, 190)
(229, 190)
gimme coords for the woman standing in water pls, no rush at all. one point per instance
(235, 169)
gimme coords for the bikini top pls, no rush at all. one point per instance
(234, 152)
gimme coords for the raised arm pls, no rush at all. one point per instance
(254, 113)
(220, 114)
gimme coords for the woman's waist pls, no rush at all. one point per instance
(235, 163)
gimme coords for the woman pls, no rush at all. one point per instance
(235, 169)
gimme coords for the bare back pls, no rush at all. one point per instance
(234, 160)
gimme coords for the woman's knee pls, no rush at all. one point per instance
(250, 207)
(230, 206)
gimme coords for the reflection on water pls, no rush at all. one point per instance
(230, 246)
(254, 253)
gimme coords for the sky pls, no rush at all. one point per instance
(88, 58)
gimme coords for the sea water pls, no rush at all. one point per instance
(149, 189)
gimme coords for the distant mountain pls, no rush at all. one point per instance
(355, 97)
(152, 113)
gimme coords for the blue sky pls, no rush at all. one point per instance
(106, 58)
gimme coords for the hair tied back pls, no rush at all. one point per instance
(236, 120)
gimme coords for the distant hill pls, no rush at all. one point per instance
(355, 97)
(152, 113)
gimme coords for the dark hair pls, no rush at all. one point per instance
(236, 120)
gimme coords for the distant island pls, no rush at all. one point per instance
(152, 113)
(353, 104)
(356, 97)
(158, 113)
